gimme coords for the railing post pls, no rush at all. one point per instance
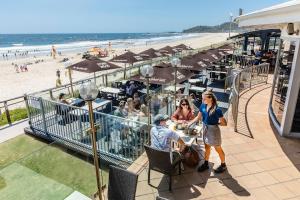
(7, 113)
(51, 94)
(268, 68)
(251, 71)
(43, 115)
(27, 108)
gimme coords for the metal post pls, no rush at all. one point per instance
(43, 115)
(27, 108)
(175, 91)
(125, 72)
(251, 70)
(51, 94)
(7, 113)
(96, 162)
(106, 82)
(149, 109)
(71, 82)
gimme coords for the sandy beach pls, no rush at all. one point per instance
(42, 75)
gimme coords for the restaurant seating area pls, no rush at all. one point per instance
(120, 138)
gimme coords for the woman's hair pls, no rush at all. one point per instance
(184, 101)
(144, 109)
(214, 105)
(129, 100)
(122, 104)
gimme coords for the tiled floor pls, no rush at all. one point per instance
(261, 164)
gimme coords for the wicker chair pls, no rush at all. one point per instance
(160, 161)
(122, 184)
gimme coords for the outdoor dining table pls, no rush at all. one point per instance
(186, 138)
(171, 88)
(197, 89)
(96, 104)
(111, 90)
(144, 91)
(194, 81)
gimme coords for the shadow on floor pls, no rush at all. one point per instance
(290, 146)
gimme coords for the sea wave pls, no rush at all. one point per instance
(81, 46)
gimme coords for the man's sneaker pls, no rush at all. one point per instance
(203, 167)
(222, 168)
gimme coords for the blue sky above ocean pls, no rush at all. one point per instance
(118, 16)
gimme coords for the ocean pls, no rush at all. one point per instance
(79, 42)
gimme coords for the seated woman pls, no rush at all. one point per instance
(184, 112)
(130, 106)
(121, 111)
(136, 101)
(143, 114)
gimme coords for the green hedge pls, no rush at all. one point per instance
(15, 115)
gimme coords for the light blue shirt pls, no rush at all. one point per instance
(161, 138)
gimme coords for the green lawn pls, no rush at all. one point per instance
(22, 183)
(17, 148)
(15, 115)
(47, 162)
(69, 170)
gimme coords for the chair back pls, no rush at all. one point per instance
(122, 184)
(158, 160)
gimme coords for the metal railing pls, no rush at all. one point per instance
(243, 80)
(119, 140)
(9, 105)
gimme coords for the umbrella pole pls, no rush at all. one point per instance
(95, 78)
(71, 83)
(125, 72)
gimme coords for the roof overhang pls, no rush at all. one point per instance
(276, 16)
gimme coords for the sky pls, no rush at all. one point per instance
(118, 16)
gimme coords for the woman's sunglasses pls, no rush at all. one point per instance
(184, 104)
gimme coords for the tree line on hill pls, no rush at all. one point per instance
(224, 27)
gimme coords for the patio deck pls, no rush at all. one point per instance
(261, 164)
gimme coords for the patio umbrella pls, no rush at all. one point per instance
(205, 57)
(168, 50)
(216, 53)
(182, 47)
(226, 47)
(127, 58)
(164, 76)
(91, 65)
(192, 63)
(150, 53)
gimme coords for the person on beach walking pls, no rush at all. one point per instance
(212, 117)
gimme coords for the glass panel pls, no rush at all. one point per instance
(282, 78)
(296, 120)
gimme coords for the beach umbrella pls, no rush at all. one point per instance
(226, 47)
(182, 47)
(165, 75)
(150, 53)
(168, 50)
(91, 65)
(127, 58)
(95, 50)
(191, 63)
(205, 57)
(216, 53)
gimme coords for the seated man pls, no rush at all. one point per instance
(161, 136)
